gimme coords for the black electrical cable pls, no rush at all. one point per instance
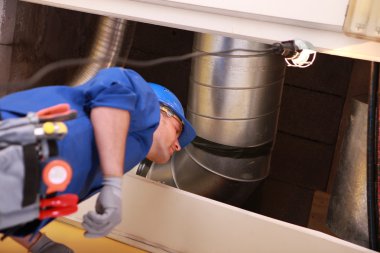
(133, 63)
(372, 207)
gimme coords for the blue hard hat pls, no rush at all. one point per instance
(168, 99)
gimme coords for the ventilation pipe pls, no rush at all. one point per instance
(106, 47)
(234, 105)
(347, 214)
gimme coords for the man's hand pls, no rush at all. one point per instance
(108, 209)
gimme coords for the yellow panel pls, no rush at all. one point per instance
(73, 238)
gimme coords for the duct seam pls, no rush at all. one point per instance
(215, 86)
(234, 119)
(219, 174)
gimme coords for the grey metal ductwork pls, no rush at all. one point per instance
(233, 105)
(106, 47)
(235, 101)
(347, 215)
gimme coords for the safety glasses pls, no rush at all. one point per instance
(171, 114)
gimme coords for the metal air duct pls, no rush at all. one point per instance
(233, 105)
(347, 214)
(105, 49)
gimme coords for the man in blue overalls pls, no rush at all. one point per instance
(121, 119)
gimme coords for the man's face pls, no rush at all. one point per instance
(165, 139)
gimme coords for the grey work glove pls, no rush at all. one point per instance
(107, 209)
(45, 245)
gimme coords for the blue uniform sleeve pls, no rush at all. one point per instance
(123, 89)
(113, 87)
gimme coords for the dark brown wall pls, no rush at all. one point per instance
(43, 35)
(310, 115)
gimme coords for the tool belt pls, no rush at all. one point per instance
(31, 173)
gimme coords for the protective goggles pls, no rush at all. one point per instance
(171, 114)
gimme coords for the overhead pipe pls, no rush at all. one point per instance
(234, 105)
(105, 50)
(347, 212)
(353, 212)
(235, 101)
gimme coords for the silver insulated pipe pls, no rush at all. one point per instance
(235, 101)
(105, 49)
(234, 105)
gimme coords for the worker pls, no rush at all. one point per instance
(121, 119)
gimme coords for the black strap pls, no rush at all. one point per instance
(53, 148)
(230, 151)
(32, 178)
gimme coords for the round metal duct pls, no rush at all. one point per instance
(235, 101)
(105, 49)
(233, 105)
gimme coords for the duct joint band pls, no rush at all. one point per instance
(232, 152)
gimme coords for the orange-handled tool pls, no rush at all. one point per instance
(58, 206)
(60, 112)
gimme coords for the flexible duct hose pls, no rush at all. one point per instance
(107, 44)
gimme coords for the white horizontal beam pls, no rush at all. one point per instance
(325, 33)
(160, 218)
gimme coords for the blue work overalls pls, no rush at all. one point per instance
(112, 87)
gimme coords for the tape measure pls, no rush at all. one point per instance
(57, 175)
